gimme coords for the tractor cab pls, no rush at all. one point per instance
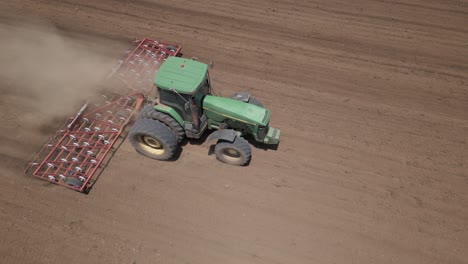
(182, 85)
(185, 94)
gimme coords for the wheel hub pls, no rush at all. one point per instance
(232, 153)
(151, 144)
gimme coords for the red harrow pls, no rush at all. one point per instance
(80, 150)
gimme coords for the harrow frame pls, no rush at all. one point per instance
(81, 148)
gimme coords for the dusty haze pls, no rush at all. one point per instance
(371, 99)
(55, 71)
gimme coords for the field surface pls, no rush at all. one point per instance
(371, 98)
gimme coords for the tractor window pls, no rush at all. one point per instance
(167, 96)
(176, 101)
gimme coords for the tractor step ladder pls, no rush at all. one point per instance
(80, 149)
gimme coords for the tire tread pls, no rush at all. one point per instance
(155, 129)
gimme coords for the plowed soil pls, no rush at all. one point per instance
(371, 98)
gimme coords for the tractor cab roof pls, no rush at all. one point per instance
(180, 74)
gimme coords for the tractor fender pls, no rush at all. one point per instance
(171, 112)
(223, 134)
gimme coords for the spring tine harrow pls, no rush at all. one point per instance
(141, 63)
(79, 150)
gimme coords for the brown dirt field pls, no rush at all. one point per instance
(372, 101)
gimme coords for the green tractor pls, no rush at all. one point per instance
(186, 108)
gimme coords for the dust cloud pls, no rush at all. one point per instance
(54, 73)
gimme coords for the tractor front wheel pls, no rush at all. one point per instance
(153, 139)
(236, 153)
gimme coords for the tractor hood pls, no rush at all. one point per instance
(223, 108)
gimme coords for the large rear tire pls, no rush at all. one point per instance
(236, 153)
(148, 112)
(153, 139)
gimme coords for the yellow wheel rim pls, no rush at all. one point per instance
(151, 145)
(231, 153)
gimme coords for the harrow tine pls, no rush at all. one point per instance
(78, 149)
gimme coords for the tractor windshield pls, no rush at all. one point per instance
(176, 101)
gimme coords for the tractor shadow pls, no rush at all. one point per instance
(204, 137)
(200, 141)
(197, 141)
(178, 151)
(192, 141)
(211, 145)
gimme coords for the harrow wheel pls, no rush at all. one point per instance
(236, 153)
(153, 139)
(74, 182)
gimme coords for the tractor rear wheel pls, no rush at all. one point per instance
(148, 112)
(153, 139)
(236, 153)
